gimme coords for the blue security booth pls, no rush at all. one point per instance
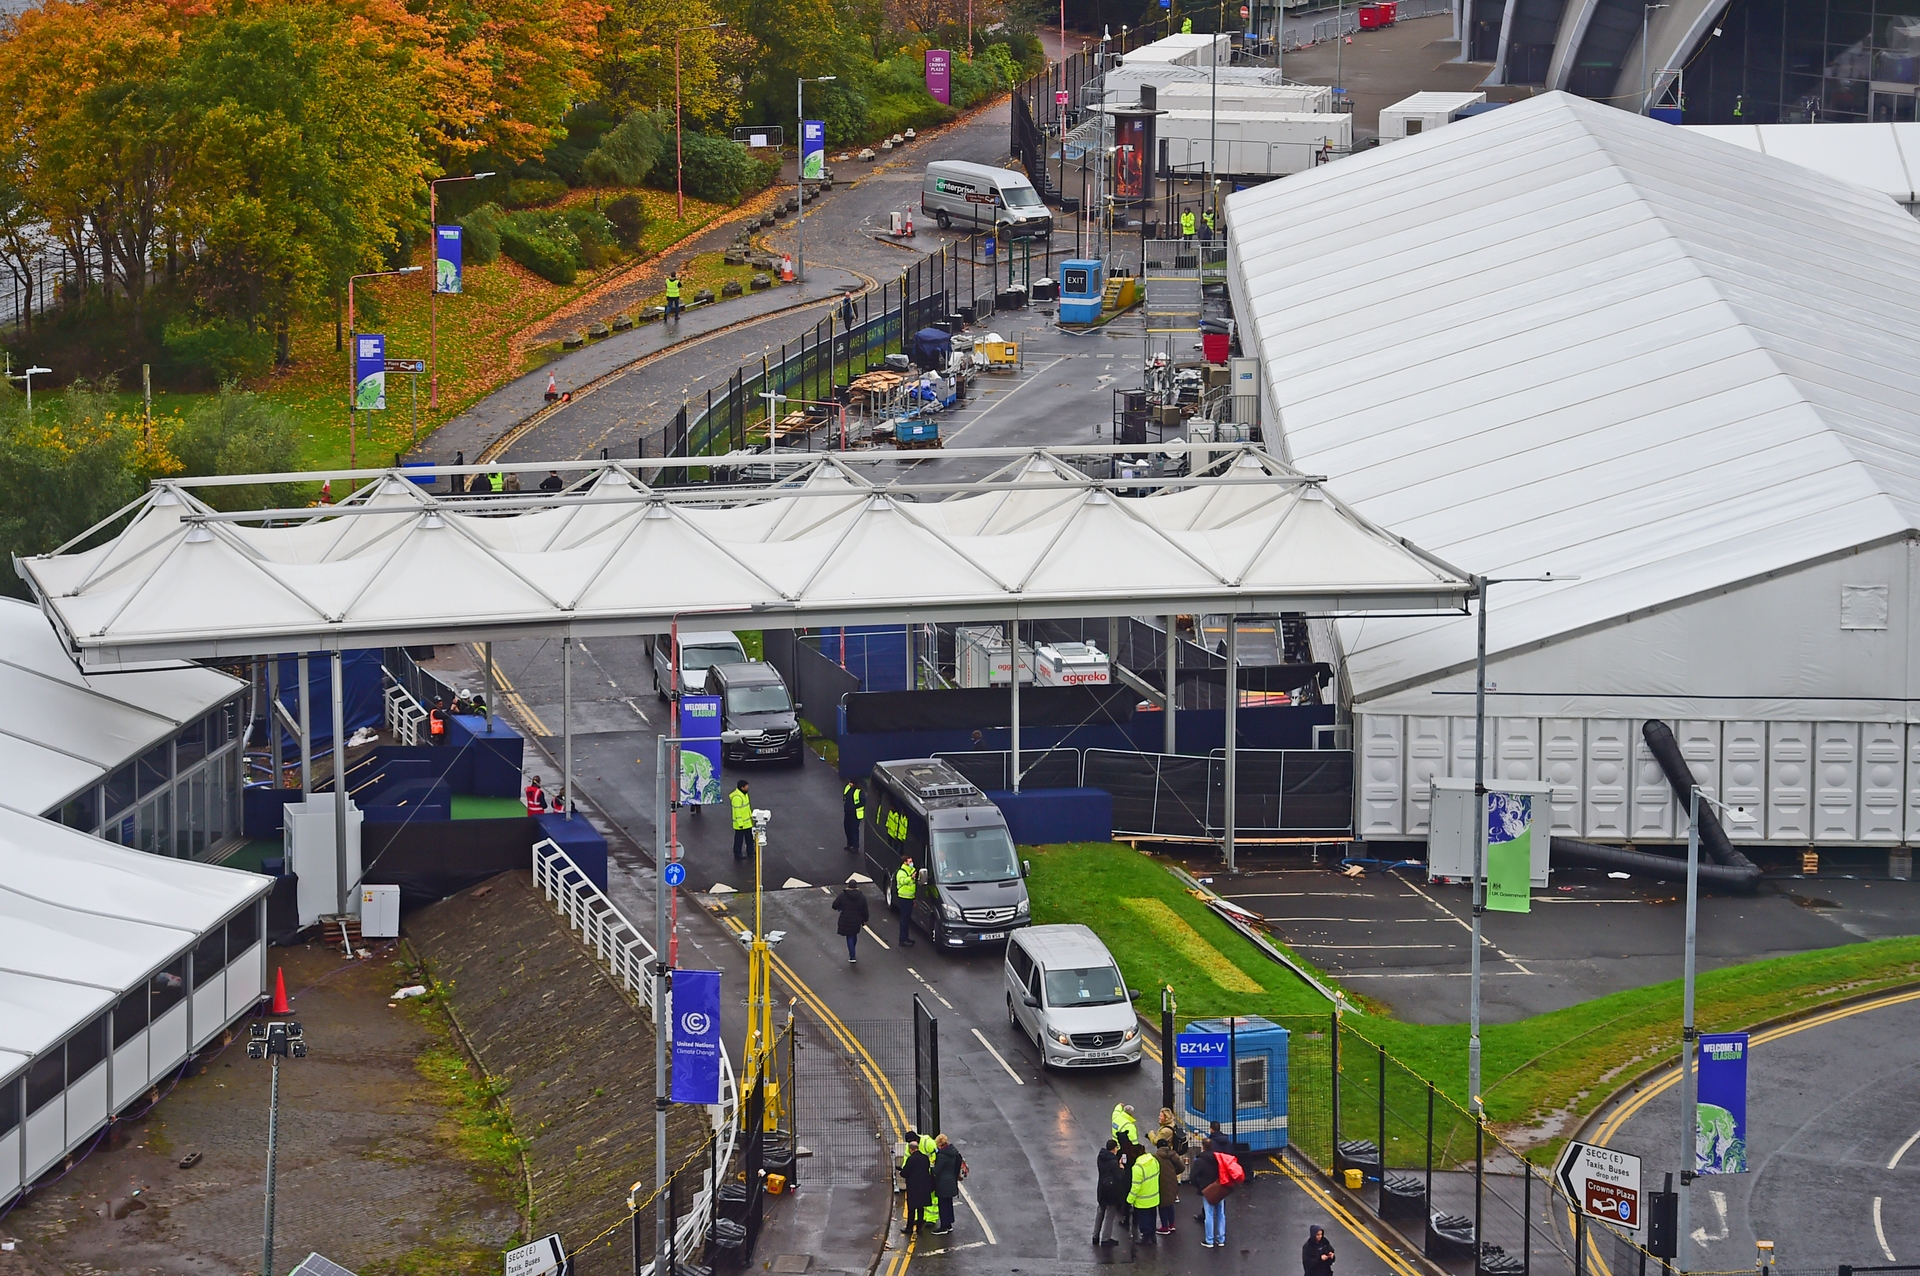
(1255, 1050)
(1082, 288)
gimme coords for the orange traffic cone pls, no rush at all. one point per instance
(280, 1004)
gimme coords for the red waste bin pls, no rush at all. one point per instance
(1215, 346)
(1389, 12)
(1370, 17)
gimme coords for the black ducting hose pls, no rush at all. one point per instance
(1569, 852)
(1713, 838)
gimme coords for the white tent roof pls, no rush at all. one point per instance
(1560, 337)
(829, 547)
(1435, 102)
(82, 922)
(64, 730)
(1881, 157)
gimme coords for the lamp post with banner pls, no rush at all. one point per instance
(376, 352)
(439, 284)
(800, 171)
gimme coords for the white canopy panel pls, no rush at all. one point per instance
(829, 546)
(64, 730)
(1882, 157)
(82, 921)
(1562, 338)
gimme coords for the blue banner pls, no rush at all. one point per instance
(1200, 1050)
(1720, 1137)
(699, 750)
(696, 1036)
(813, 149)
(370, 371)
(446, 258)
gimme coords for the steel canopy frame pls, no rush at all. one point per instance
(828, 543)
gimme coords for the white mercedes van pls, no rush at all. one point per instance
(984, 198)
(1065, 994)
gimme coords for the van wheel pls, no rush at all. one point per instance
(1013, 1020)
(943, 221)
(890, 900)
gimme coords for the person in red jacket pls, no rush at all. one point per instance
(536, 797)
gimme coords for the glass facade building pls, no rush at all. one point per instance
(1807, 61)
(182, 797)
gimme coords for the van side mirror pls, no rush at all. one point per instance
(1026, 868)
(1032, 1003)
(1133, 994)
(920, 875)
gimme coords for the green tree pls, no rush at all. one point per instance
(236, 432)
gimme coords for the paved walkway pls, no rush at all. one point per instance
(487, 421)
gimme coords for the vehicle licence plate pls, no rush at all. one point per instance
(1099, 1058)
(993, 934)
(773, 750)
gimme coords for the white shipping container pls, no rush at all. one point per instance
(983, 659)
(1265, 144)
(1071, 664)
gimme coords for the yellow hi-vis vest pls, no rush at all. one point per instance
(742, 809)
(673, 288)
(903, 883)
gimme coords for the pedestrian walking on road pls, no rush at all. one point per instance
(1109, 1194)
(1125, 1128)
(673, 294)
(1218, 1140)
(853, 809)
(905, 886)
(742, 820)
(1316, 1256)
(852, 907)
(1176, 1131)
(1213, 1198)
(948, 1169)
(917, 1171)
(1144, 1197)
(1172, 1166)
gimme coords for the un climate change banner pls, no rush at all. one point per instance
(370, 371)
(446, 258)
(1720, 1139)
(696, 1036)
(1509, 852)
(813, 149)
(699, 750)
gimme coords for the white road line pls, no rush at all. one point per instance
(1346, 948)
(929, 987)
(1019, 386)
(929, 1253)
(1911, 1140)
(968, 1196)
(1002, 1060)
(1881, 1232)
(876, 938)
(1468, 927)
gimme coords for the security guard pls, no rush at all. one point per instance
(1186, 224)
(437, 722)
(905, 884)
(853, 809)
(673, 294)
(1186, 26)
(1144, 1197)
(742, 820)
(496, 482)
(1207, 217)
(1123, 1121)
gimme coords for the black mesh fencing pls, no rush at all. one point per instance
(992, 769)
(1045, 109)
(926, 1068)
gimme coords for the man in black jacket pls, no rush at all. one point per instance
(852, 907)
(917, 1172)
(1316, 1256)
(1110, 1194)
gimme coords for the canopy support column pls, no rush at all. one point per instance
(270, 679)
(1232, 724)
(306, 734)
(1171, 745)
(566, 722)
(1013, 679)
(340, 782)
(488, 707)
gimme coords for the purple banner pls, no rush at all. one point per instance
(940, 75)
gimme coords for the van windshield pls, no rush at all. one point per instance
(973, 855)
(771, 698)
(1020, 196)
(1094, 986)
(707, 657)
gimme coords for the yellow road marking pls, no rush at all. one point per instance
(1328, 1202)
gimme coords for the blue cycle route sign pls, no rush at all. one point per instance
(676, 873)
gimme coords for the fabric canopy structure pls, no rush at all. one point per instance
(1560, 338)
(1882, 157)
(825, 545)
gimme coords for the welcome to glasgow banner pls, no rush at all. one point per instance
(699, 750)
(370, 371)
(696, 1036)
(1720, 1137)
(446, 258)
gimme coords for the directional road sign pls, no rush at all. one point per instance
(1605, 1184)
(542, 1258)
(406, 365)
(676, 873)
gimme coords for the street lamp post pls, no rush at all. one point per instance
(1480, 584)
(679, 190)
(1646, 58)
(433, 297)
(1689, 1098)
(800, 174)
(353, 382)
(274, 1042)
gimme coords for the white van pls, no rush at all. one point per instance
(982, 197)
(1065, 994)
(699, 652)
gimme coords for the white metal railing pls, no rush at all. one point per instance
(404, 713)
(627, 955)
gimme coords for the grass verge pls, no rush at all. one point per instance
(1542, 1073)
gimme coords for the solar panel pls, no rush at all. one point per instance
(316, 1265)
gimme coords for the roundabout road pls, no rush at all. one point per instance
(1833, 1136)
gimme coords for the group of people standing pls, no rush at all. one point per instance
(1141, 1181)
(932, 1169)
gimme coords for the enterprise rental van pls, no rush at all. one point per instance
(969, 888)
(982, 197)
